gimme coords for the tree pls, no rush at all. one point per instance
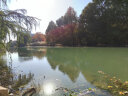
(23, 39)
(60, 21)
(69, 18)
(65, 32)
(103, 22)
(38, 37)
(64, 35)
(50, 27)
(88, 25)
(14, 21)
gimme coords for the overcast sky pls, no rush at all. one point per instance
(48, 10)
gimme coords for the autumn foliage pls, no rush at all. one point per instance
(64, 30)
(38, 37)
(64, 35)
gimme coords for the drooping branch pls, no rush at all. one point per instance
(19, 16)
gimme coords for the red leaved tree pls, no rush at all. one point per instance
(65, 35)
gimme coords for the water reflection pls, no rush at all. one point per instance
(5, 72)
(71, 67)
(72, 61)
(26, 54)
(47, 89)
(10, 79)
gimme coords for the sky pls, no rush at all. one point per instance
(48, 10)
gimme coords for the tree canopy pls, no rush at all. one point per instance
(12, 22)
(101, 23)
(69, 17)
(63, 32)
(38, 37)
(104, 22)
(51, 26)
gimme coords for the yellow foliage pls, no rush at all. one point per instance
(121, 93)
(109, 86)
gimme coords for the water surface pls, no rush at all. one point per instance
(69, 67)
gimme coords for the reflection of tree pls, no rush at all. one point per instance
(88, 61)
(72, 72)
(40, 53)
(65, 61)
(26, 54)
(9, 77)
(5, 73)
(22, 80)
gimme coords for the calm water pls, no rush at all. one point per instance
(69, 67)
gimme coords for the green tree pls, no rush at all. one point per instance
(13, 21)
(103, 22)
(23, 39)
(70, 16)
(60, 21)
(51, 26)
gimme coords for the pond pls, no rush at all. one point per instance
(72, 68)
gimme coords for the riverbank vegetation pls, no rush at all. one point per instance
(101, 23)
(11, 80)
(113, 84)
